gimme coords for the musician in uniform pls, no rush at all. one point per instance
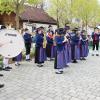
(5, 59)
(75, 50)
(39, 47)
(67, 45)
(50, 45)
(60, 61)
(5, 45)
(84, 50)
(28, 40)
(18, 59)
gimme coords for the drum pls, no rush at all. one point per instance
(11, 42)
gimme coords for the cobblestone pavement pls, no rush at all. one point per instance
(28, 82)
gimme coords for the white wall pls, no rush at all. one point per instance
(29, 26)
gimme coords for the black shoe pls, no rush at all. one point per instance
(17, 64)
(40, 65)
(74, 61)
(1, 85)
(51, 59)
(67, 66)
(83, 59)
(9, 67)
(60, 72)
(1, 75)
(6, 69)
(97, 54)
(28, 59)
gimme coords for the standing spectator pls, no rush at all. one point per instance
(95, 42)
(28, 40)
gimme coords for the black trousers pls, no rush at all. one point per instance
(37, 55)
(96, 45)
(73, 52)
(28, 48)
(55, 62)
(48, 50)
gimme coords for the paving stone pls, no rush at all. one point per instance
(28, 82)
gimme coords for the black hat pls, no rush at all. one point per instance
(26, 29)
(41, 27)
(60, 31)
(83, 31)
(56, 30)
(75, 29)
(96, 28)
(67, 27)
(49, 26)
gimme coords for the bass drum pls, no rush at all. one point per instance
(12, 43)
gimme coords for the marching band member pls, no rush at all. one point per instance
(75, 45)
(83, 46)
(50, 46)
(28, 41)
(44, 44)
(5, 60)
(67, 45)
(60, 61)
(39, 50)
(18, 59)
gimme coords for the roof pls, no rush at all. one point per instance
(37, 15)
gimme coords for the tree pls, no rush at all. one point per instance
(60, 10)
(85, 10)
(16, 6)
